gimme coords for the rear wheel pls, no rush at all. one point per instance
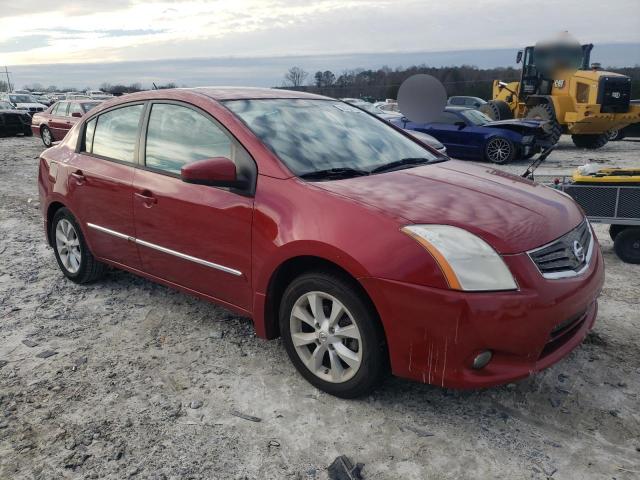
(614, 230)
(500, 150)
(47, 137)
(590, 141)
(497, 110)
(332, 335)
(72, 253)
(627, 245)
(544, 112)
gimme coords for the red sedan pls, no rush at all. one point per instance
(54, 123)
(361, 247)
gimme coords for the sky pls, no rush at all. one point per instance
(99, 32)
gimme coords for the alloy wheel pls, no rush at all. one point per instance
(326, 337)
(68, 245)
(47, 139)
(499, 150)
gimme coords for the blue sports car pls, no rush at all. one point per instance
(470, 134)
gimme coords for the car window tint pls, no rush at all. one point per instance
(88, 135)
(456, 101)
(178, 135)
(116, 133)
(75, 108)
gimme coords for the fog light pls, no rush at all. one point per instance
(482, 359)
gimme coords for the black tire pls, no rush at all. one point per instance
(545, 112)
(614, 230)
(27, 132)
(615, 134)
(500, 150)
(590, 141)
(89, 269)
(627, 245)
(374, 358)
(47, 138)
(497, 110)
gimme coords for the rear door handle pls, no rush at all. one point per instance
(78, 177)
(147, 197)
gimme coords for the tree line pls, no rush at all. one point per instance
(385, 82)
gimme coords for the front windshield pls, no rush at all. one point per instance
(22, 99)
(476, 117)
(317, 135)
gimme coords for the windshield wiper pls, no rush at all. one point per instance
(400, 164)
(334, 173)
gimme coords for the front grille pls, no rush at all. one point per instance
(36, 109)
(614, 94)
(566, 256)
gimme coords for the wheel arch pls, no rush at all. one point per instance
(53, 207)
(285, 273)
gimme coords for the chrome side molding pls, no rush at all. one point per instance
(168, 251)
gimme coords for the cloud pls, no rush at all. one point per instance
(124, 30)
(24, 43)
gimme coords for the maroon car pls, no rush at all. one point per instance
(54, 123)
(363, 248)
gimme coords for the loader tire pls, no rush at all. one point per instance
(590, 141)
(497, 110)
(545, 112)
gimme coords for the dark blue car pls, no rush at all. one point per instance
(470, 134)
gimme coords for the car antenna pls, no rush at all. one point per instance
(536, 163)
(155, 87)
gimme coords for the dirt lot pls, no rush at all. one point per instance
(141, 381)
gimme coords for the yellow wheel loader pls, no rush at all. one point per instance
(585, 101)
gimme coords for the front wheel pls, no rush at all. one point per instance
(47, 137)
(591, 141)
(27, 132)
(500, 150)
(72, 253)
(332, 335)
(627, 245)
(614, 134)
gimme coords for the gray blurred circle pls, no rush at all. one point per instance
(422, 98)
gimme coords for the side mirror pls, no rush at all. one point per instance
(460, 125)
(76, 114)
(519, 56)
(215, 172)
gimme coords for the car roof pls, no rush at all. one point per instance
(245, 93)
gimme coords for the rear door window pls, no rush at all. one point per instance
(116, 133)
(75, 108)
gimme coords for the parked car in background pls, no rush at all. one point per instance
(13, 121)
(23, 101)
(469, 102)
(443, 272)
(99, 95)
(53, 124)
(471, 135)
(389, 105)
(632, 130)
(429, 140)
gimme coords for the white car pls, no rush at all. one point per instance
(23, 101)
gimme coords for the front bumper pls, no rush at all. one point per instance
(434, 334)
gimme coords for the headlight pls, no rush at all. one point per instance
(467, 261)
(527, 139)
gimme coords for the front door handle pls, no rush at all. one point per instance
(79, 177)
(147, 198)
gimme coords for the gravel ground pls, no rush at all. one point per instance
(126, 378)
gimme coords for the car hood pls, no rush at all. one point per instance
(517, 125)
(510, 213)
